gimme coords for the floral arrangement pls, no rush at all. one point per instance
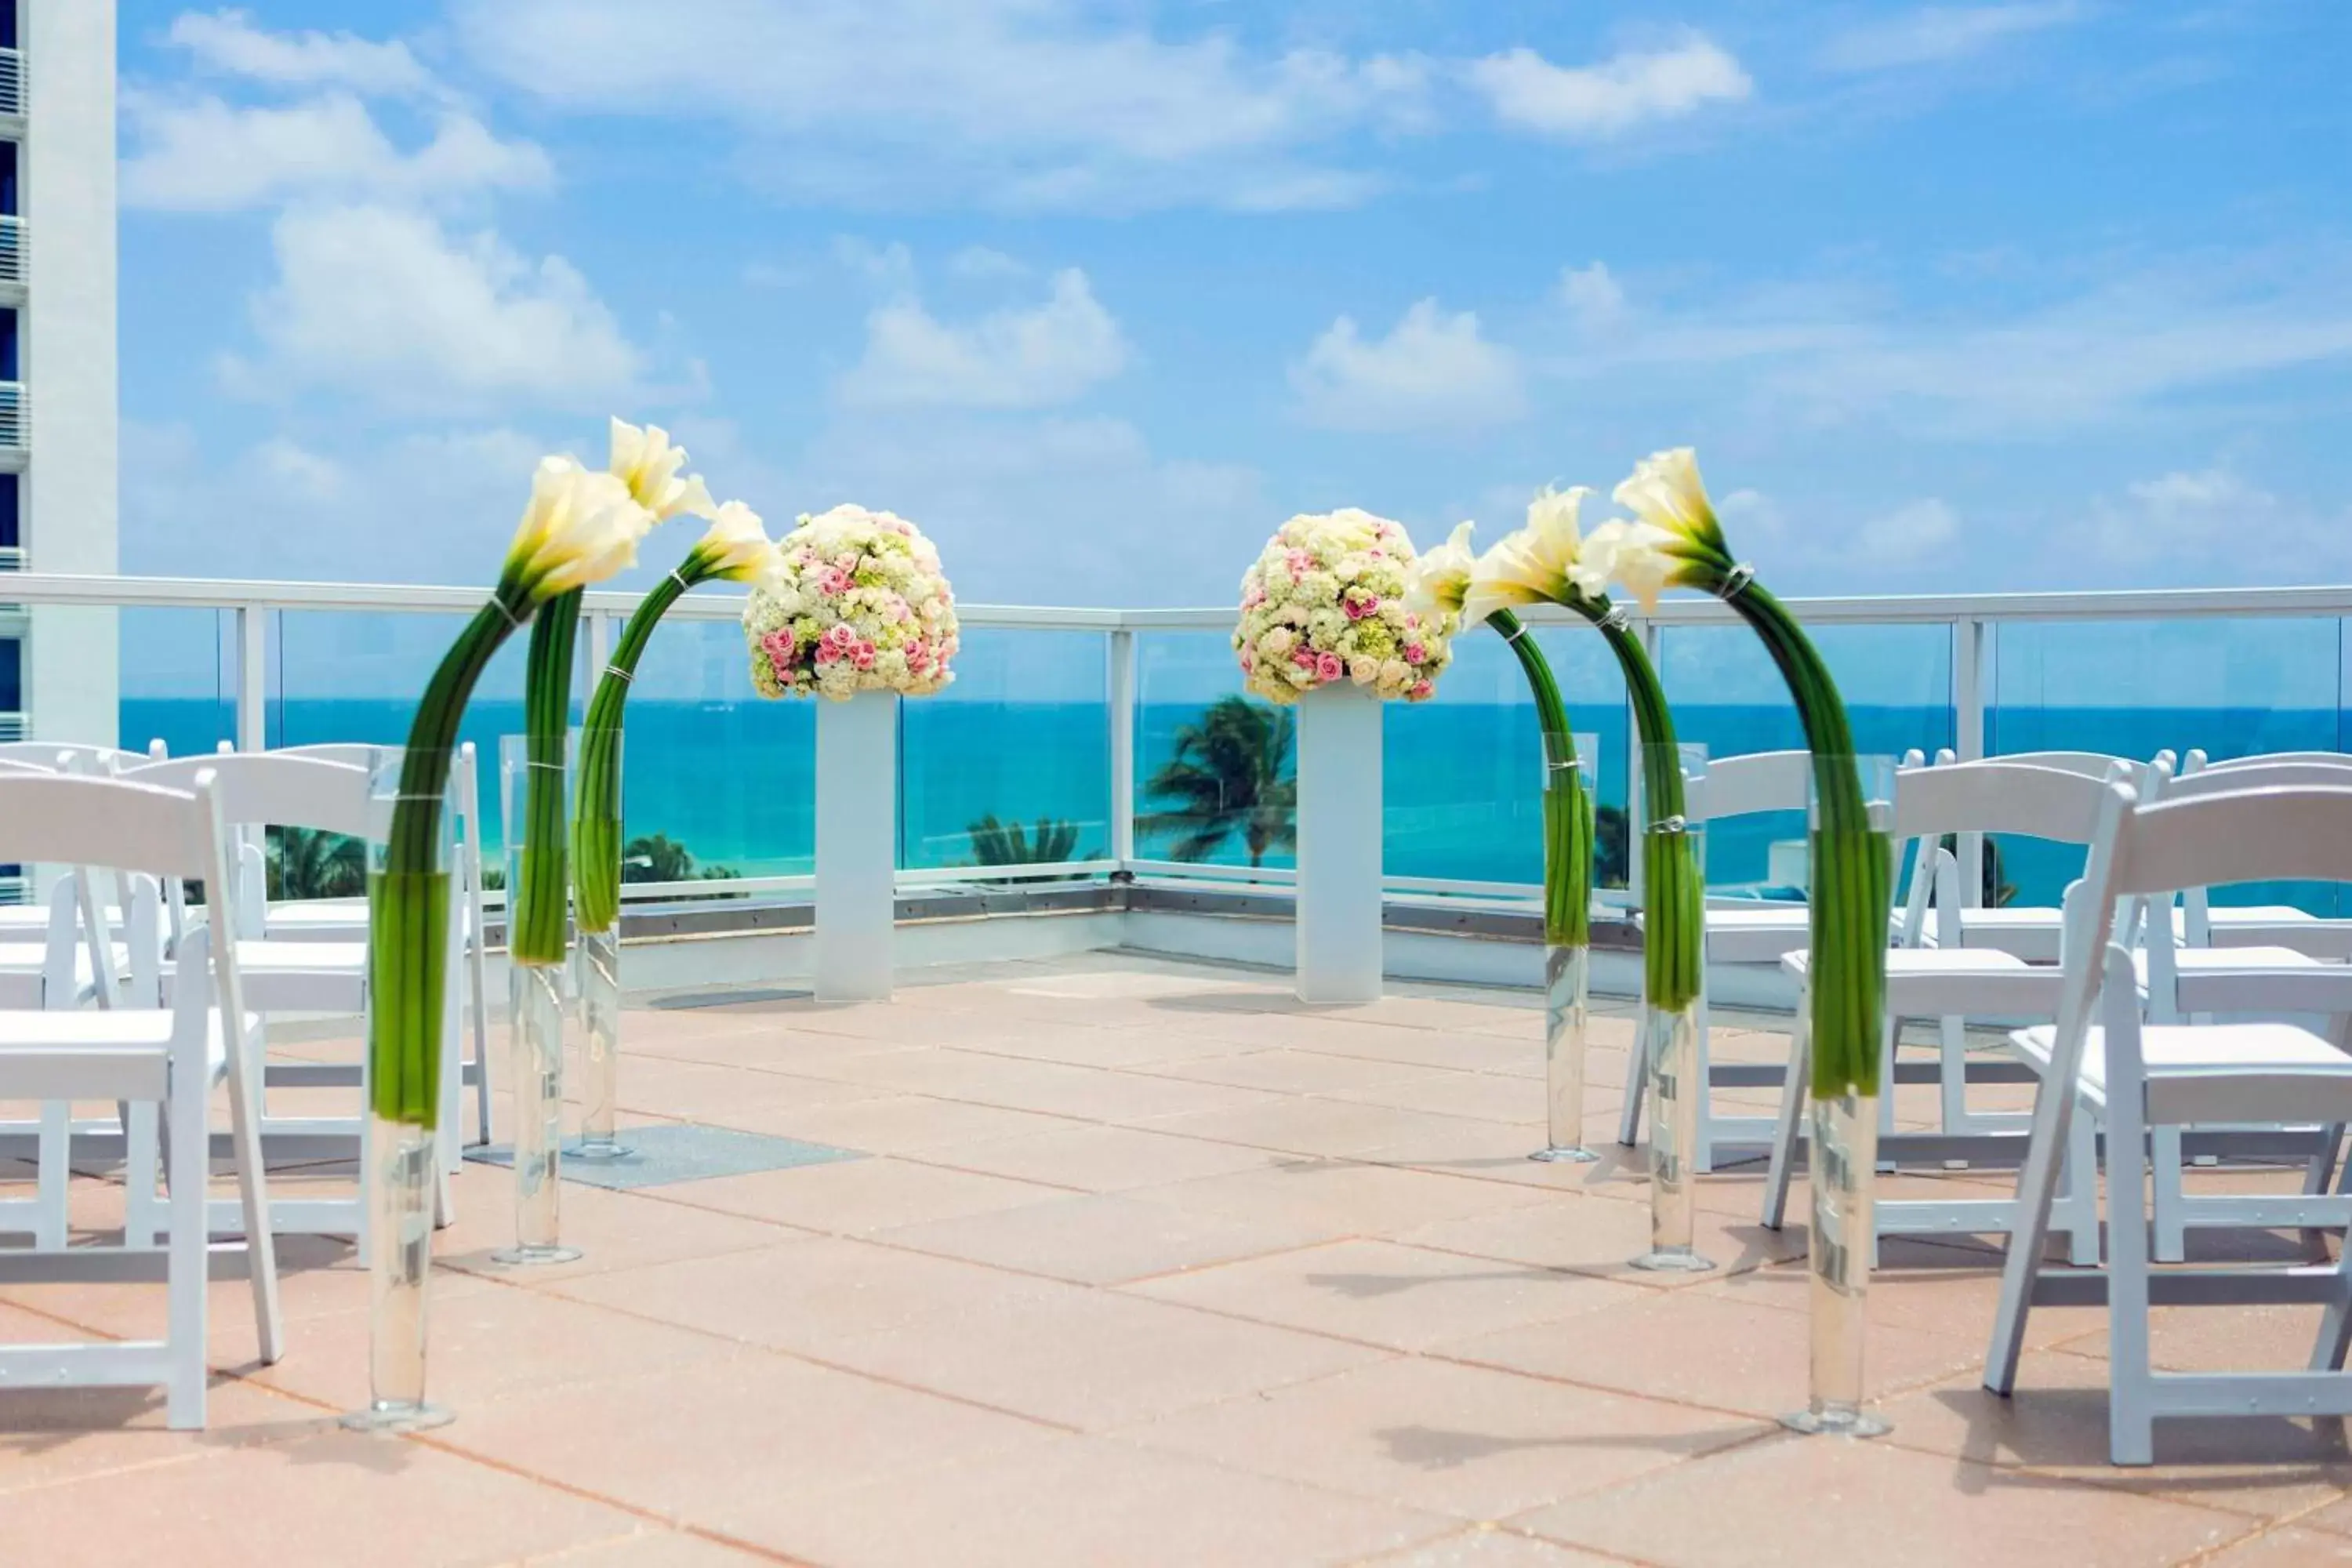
(1326, 602)
(858, 603)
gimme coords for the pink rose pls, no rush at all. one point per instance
(1415, 652)
(1329, 666)
(863, 657)
(826, 653)
(840, 637)
(1421, 689)
(1303, 657)
(1249, 660)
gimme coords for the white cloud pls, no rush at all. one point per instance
(384, 303)
(2216, 521)
(1939, 33)
(1621, 94)
(1012, 358)
(1594, 298)
(1022, 103)
(294, 468)
(1431, 371)
(1910, 534)
(980, 261)
(205, 155)
(228, 41)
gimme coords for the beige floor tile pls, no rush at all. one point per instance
(652, 1547)
(1491, 1546)
(1102, 1042)
(1600, 1236)
(2055, 1423)
(616, 1228)
(699, 1439)
(1455, 1439)
(1332, 1128)
(899, 1123)
(1485, 1095)
(705, 1092)
(50, 1435)
(336, 1498)
(1094, 1359)
(851, 1197)
(2217, 1339)
(1105, 1159)
(2287, 1548)
(1955, 1302)
(1101, 1239)
(1056, 1088)
(1402, 1297)
(1342, 1196)
(2336, 1518)
(1796, 1500)
(1302, 1072)
(809, 1296)
(1089, 1504)
(1707, 1351)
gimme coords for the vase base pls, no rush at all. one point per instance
(398, 1415)
(1574, 1153)
(601, 1153)
(536, 1257)
(1837, 1421)
(1673, 1261)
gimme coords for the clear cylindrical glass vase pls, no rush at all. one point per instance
(1568, 803)
(410, 911)
(533, 797)
(596, 875)
(1674, 963)
(1852, 871)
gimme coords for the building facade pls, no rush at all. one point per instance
(59, 667)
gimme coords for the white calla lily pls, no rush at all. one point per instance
(579, 528)
(1665, 492)
(735, 547)
(1441, 578)
(1634, 555)
(1543, 563)
(646, 461)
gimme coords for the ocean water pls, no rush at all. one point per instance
(734, 781)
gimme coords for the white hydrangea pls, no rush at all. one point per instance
(1325, 601)
(859, 605)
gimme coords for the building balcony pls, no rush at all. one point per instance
(12, 254)
(16, 422)
(12, 84)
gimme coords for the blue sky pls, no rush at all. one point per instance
(1999, 296)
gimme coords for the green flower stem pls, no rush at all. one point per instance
(597, 816)
(535, 932)
(1567, 809)
(408, 896)
(1674, 884)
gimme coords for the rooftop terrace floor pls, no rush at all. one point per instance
(1141, 1263)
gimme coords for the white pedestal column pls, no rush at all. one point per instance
(856, 845)
(1339, 845)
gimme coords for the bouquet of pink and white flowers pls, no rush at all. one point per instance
(1326, 602)
(858, 605)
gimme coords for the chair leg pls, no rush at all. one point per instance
(2170, 1172)
(186, 1265)
(2336, 1324)
(2321, 1173)
(2053, 1115)
(253, 1191)
(1791, 1114)
(2131, 1421)
(1637, 1083)
(53, 1177)
(1952, 1052)
(140, 1161)
(2082, 1194)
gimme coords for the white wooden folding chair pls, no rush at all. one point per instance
(261, 790)
(2185, 975)
(1951, 983)
(1750, 931)
(2031, 932)
(167, 1059)
(2201, 924)
(2127, 1077)
(339, 919)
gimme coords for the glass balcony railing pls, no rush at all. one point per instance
(1123, 741)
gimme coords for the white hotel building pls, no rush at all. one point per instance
(58, 666)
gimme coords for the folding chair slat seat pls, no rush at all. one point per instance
(2102, 1064)
(157, 1059)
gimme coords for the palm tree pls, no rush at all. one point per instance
(1228, 776)
(1996, 891)
(995, 842)
(656, 857)
(1612, 847)
(308, 863)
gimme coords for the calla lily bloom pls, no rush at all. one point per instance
(646, 460)
(579, 528)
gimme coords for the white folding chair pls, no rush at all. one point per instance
(339, 919)
(2201, 924)
(167, 1059)
(2031, 932)
(2128, 1076)
(1951, 983)
(1749, 930)
(257, 791)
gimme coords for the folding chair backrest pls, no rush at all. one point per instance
(57, 755)
(2302, 833)
(114, 823)
(1998, 795)
(2198, 762)
(1760, 781)
(270, 789)
(350, 753)
(2092, 765)
(2260, 772)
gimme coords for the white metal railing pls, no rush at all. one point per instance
(15, 417)
(12, 81)
(11, 249)
(1970, 621)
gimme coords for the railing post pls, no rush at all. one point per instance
(1971, 648)
(1122, 747)
(1338, 893)
(252, 678)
